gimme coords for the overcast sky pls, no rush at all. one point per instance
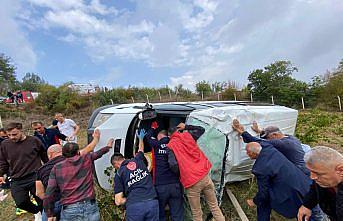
(159, 42)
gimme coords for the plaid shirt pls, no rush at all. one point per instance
(73, 178)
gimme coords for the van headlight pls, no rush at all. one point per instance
(100, 119)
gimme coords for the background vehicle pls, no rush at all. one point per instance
(220, 144)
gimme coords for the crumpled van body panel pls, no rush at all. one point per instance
(216, 117)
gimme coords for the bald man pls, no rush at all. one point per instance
(281, 185)
(326, 167)
(55, 156)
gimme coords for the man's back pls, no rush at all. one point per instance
(162, 173)
(280, 182)
(74, 176)
(289, 146)
(193, 163)
(134, 180)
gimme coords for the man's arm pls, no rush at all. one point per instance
(311, 199)
(40, 192)
(309, 202)
(150, 139)
(118, 191)
(247, 138)
(262, 196)
(76, 128)
(90, 147)
(141, 134)
(59, 134)
(195, 131)
(50, 194)
(98, 154)
(119, 199)
(3, 165)
(42, 152)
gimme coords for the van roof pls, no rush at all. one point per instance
(178, 106)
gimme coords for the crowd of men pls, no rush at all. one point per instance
(293, 180)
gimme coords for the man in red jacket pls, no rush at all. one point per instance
(194, 168)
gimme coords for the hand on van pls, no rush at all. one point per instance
(110, 143)
(181, 126)
(141, 134)
(237, 126)
(96, 134)
(255, 128)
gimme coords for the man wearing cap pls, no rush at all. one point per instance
(72, 180)
(286, 144)
(133, 186)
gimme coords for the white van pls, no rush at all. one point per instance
(219, 142)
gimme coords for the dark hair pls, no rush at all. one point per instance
(2, 130)
(116, 157)
(34, 123)
(70, 149)
(172, 130)
(14, 125)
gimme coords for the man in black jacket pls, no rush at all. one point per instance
(326, 166)
(48, 136)
(22, 155)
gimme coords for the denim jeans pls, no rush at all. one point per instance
(317, 214)
(142, 211)
(81, 211)
(57, 211)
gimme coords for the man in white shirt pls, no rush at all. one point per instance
(67, 127)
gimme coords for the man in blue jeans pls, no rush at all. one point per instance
(55, 156)
(72, 180)
(133, 186)
(167, 183)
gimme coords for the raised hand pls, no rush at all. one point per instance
(141, 134)
(110, 142)
(255, 128)
(96, 134)
(181, 126)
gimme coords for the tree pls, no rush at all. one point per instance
(32, 82)
(314, 90)
(275, 79)
(8, 81)
(333, 87)
(203, 87)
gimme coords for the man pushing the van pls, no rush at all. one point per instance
(133, 186)
(194, 168)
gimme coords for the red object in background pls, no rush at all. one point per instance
(154, 125)
(26, 97)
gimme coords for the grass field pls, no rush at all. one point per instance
(314, 127)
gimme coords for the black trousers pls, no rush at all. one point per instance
(21, 188)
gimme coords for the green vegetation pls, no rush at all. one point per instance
(273, 80)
